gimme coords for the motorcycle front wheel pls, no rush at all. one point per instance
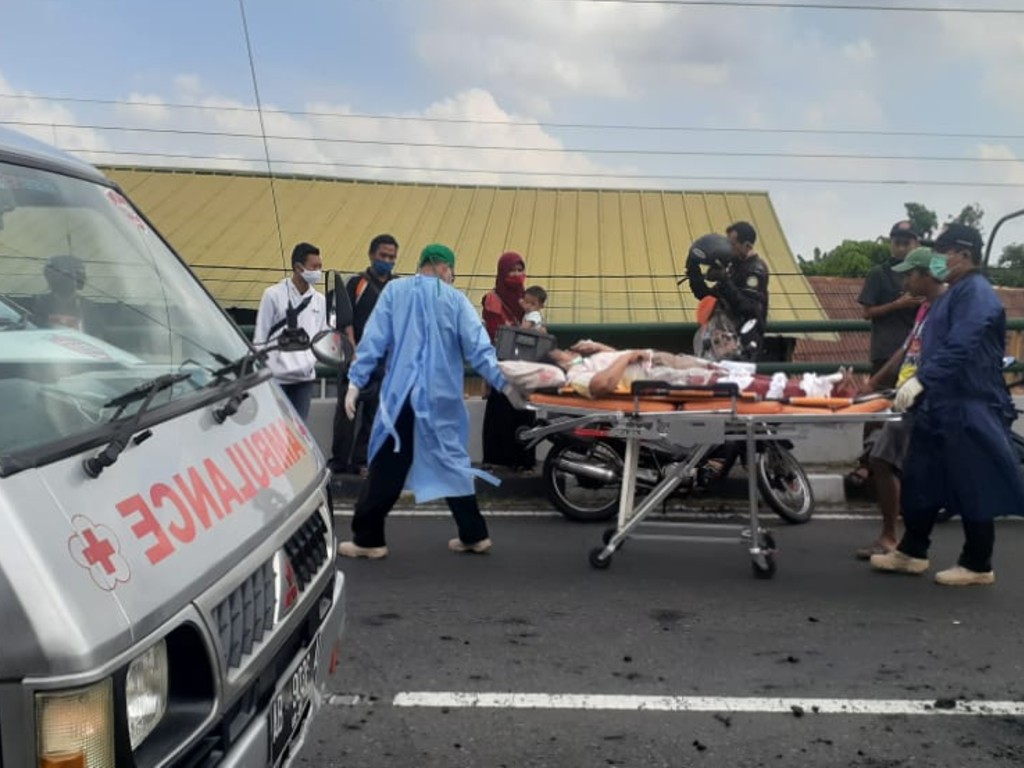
(784, 485)
(583, 480)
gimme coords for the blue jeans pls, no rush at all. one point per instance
(300, 393)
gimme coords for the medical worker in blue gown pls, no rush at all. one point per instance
(424, 328)
(960, 455)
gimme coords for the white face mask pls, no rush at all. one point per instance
(312, 276)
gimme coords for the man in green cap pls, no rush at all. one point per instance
(424, 329)
(888, 446)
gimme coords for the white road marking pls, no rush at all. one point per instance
(752, 705)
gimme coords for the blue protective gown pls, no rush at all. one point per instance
(960, 455)
(424, 329)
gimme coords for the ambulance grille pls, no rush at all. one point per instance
(246, 616)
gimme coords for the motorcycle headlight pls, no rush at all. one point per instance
(76, 728)
(146, 692)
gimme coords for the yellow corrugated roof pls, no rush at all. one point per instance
(604, 256)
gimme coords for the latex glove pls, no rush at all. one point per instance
(907, 394)
(350, 401)
(515, 396)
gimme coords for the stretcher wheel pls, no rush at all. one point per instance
(597, 561)
(763, 563)
(763, 566)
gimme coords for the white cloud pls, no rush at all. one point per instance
(1007, 166)
(45, 120)
(861, 50)
(537, 51)
(326, 139)
(997, 48)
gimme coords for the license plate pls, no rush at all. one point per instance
(289, 703)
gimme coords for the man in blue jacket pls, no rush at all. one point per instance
(424, 329)
(960, 455)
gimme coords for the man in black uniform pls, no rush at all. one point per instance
(740, 279)
(348, 448)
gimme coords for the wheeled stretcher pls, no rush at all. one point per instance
(697, 419)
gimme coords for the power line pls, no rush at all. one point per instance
(806, 6)
(865, 132)
(263, 130)
(615, 176)
(521, 148)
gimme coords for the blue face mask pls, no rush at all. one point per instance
(383, 267)
(937, 266)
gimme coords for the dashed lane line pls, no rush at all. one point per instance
(740, 704)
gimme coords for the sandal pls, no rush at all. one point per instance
(859, 477)
(710, 473)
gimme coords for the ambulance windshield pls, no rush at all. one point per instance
(92, 304)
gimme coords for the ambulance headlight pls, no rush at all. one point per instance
(145, 690)
(76, 727)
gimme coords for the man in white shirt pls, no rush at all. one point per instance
(294, 303)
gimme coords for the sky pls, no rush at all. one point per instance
(833, 112)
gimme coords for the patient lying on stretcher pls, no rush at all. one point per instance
(596, 370)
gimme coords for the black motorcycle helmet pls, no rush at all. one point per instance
(712, 249)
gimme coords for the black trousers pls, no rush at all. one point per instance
(384, 483)
(979, 541)
(501, 420)
(352, 438)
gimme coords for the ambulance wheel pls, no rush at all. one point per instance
(597, 561)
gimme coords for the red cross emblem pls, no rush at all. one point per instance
(291, 594)
(96, 548)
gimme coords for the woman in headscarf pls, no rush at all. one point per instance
(501, 420)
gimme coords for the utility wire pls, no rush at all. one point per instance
(867, 132)
(263, 132)
(514, 148)
(645, 176)
(807, 6)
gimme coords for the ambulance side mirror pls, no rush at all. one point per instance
(331, 347)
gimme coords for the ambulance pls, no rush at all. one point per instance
(168, 587)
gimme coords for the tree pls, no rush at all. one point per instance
(1009, 271)
(851, 258)
(923, 219)
(1012, 256)
(970, 215)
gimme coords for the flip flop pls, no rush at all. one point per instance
(859, 477)
(865, 553)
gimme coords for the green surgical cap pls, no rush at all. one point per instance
(435, 252)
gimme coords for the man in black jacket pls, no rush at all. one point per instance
(351, 438)
(740, 279)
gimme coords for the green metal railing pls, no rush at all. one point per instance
(678, 337)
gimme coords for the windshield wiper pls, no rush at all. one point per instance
(290, 340)
(94, 465)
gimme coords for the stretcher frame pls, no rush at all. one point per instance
(699, 431)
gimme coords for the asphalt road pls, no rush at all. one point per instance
(671, 619)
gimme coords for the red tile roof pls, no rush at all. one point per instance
(838, 297)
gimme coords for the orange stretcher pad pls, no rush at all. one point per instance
(700, 401)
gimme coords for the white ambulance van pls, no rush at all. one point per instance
(168, 589)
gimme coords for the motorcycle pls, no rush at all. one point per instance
(583, 474)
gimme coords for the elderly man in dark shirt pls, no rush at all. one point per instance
(889, 308)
